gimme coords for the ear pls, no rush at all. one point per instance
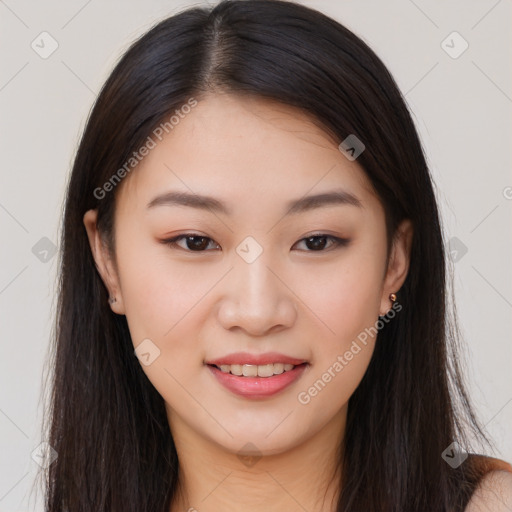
(103, 260)
(398, 265)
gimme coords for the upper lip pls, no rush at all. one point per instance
(242, 358)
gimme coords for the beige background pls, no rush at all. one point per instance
(462, 107)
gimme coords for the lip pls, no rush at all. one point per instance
(258, 359)
(257, 387)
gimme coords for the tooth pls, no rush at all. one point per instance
(265, 370)
(278, 368)
(253, 370)
(250, 370)
(236, 369)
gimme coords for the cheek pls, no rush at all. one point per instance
(159, 297)
(347, 304)
(344, 295)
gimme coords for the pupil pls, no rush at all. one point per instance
(195, 245)
(318, 242)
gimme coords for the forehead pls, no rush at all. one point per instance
(231, 147)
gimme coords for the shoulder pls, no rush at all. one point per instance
(494, 492)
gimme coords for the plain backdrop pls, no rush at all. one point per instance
(461, 99)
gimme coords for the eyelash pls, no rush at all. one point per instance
(337, 242)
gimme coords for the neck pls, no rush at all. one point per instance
(303, 478)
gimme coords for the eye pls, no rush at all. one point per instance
(193, 242)
(318, 242)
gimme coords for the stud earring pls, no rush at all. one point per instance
(392, 298)
(112, 300)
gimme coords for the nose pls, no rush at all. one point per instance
(257, 299)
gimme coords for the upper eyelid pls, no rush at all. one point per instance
(199, 235)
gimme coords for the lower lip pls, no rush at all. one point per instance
(257, 387)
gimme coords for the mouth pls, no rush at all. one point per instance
(257, 381)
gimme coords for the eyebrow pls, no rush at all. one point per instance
(295, 206)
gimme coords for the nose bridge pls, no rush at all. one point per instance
(256, 299)
(255, 284)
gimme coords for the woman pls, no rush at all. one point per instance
(252, 310)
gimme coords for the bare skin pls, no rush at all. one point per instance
(305, 300)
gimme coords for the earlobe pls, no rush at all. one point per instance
(399, 262)
(103, 261)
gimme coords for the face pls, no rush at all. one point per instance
(255, 279)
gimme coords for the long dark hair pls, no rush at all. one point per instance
(107, 422)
